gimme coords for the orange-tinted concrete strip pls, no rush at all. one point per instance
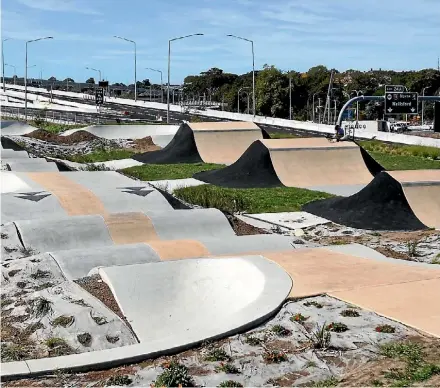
(179, 249)
(75, 199)
(130, 228)
(319, 270)
(414, 303)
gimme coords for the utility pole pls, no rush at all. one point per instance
(319, 110)
(290, 97)
(327, 107)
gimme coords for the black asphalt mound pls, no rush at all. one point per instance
(373, 166)
(182, 149)
(253, 169)
(381, 205)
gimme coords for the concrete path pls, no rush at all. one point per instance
(31, 165)
(11, 154)
(226, 295)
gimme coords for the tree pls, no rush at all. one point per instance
(271, 92)
(69, 80)
(52, 79)
(91, 80)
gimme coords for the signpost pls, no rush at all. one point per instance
(398, 101)
(99, 96)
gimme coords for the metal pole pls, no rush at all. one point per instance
(168, 84)
(319, 110)
(161, 87)
(253, 76)
(238, 101)
(313, 113)
(3, 64)
(25, 83)
(248, 103)
(135, 74)
(290, 98)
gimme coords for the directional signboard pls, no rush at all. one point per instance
(397, 103)
(99, 96)
(395, 89)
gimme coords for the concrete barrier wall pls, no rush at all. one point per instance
(293, 124)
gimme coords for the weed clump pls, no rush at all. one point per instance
(274, 357)
(119, 380)
(281, 331)
(217, 354)
(350, 313)
(63, 320)
(174, 375)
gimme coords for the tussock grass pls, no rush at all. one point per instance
(267, 200)
(156, 172)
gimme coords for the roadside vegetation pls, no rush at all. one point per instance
(267, 200)
(155, 172)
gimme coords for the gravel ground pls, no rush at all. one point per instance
(281, 352)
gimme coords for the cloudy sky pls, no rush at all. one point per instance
(290, 34)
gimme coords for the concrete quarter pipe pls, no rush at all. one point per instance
(387, 203)
(211, 142)
(304, 162)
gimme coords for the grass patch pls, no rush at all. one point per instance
(53, 127)
(416, 369)
(403, 157)
(267, 200)
(155, 172)
(217, 354)
(401, 149)
(283, 135)
(174, 375)
(101, 156)
(400, 162)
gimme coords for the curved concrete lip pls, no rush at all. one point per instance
(194, 278)
(10, 154)
(31, 165)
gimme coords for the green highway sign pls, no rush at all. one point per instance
(397, 103)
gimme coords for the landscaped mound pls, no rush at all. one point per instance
(76, 137)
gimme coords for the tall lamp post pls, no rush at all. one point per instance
(169, 70)
(99, 71)
(25, 70)
(161, 80)
(3, 63)
(253, 67)
(15, 70)
(423, 104)
(135, 77)
(357, 104)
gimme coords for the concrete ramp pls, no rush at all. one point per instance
(210, 142)
(31, 165)
(88, 231)
(10, 154)
(16, 128)
(387, 204)
(305, 163)
(227, 295)
(422, 191)
(10, 182)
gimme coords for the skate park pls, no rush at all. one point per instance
(159, 260)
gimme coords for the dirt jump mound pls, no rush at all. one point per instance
(210, 142)
(381, 205)
(304, 162)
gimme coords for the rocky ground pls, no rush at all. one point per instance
(318, 342)
(42, 143)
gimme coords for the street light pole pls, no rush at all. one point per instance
(423, 105)
(135, 71)
(25, 74)
(99, 71)
(290, 99)
(15, 70)
(161, 80)
(3, 64)
(169, 70)
(253, 67)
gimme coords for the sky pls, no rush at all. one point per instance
(290, 34)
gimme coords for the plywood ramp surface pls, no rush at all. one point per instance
(224, 147)
(179, 249)
(413, 303)
(408, 176)
(306, 142)
(424, 201)
(223, 125)
(75, 199)
(130, 228)
(315, 167)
